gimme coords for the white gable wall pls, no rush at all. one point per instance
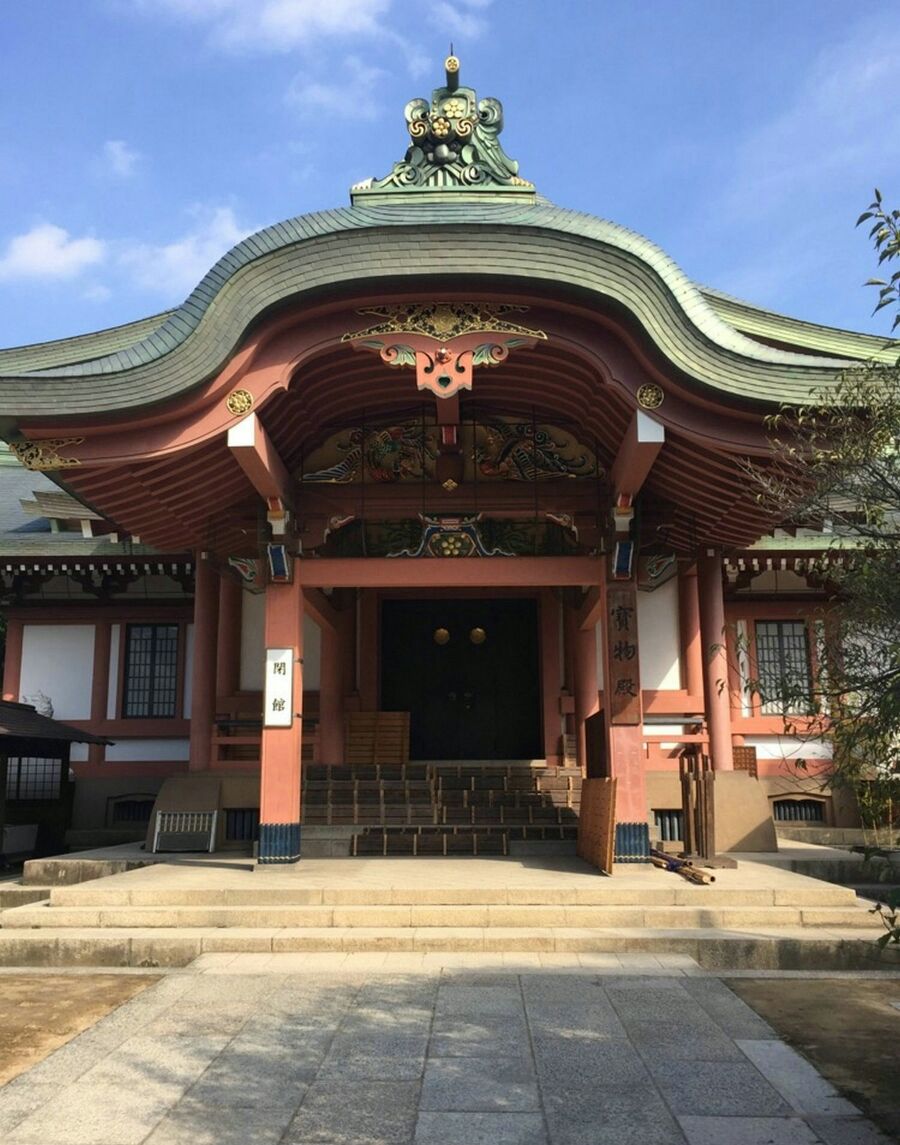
(660, 643)
(58, 660)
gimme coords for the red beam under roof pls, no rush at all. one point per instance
(448, 572)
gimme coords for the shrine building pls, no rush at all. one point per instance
(450, 475)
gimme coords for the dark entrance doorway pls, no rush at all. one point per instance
(468, 672)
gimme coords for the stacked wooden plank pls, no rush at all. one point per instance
(597, 823)
(376, 737)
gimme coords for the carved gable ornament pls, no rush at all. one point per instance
(444, 341)
(454, 147)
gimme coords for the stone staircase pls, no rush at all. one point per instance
(168, 915)
(443, 809)
(473, 898)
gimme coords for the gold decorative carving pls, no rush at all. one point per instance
(441, 636)
(239, 401)
(45, 454)
(444, 320)
(650, 396)
(478, 636)
(449, 485)
(451, 64)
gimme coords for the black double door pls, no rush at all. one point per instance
(468, 673)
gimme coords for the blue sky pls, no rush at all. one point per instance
(139, 139)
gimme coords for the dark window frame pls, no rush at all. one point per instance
(35, 779)
(153, 694)
(784, 674)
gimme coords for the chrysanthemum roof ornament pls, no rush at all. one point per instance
(454, 148)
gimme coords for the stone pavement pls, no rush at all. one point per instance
(319, 1049)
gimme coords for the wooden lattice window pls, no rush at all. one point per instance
(241, 824)
(130, 810)
(670, 822)
(798, 811)
(33, 778)
(782, 656)
(151, 671)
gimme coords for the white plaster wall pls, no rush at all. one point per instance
(112, 691)
(188, 671)
(790, 748)
(126, 750)
(253, 646)
(252, 642)
(660, 644)
(58, 660)
(78, 753)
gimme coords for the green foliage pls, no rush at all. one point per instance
(885, 234)
(836, 467)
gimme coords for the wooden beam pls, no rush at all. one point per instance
(258, 458)
(320, 608)
(591, 608)
(644, 439)
(447, 572)
(506, 498)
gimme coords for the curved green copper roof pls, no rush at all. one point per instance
(537, 244)
(799, 334)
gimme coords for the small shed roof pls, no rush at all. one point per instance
(22, 722)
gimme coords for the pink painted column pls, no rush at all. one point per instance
(203, 678)
(367, 673)
(689, 623)
(331, 696)
(717, 692)
(99, 686)
(12, 665)
(280, 773)
(228, 661)
(551, 679)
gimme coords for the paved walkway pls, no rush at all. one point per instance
(589, 1050)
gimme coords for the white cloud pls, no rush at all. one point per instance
(275, 25)
(119, 159)
(97, 293)
(174, 269)
(47, 252)
(351, 94)
(460, 19)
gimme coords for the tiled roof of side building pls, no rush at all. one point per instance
(22, 536)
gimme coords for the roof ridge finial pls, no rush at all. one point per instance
(451, 70)
(454, 147)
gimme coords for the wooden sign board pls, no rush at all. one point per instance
(279, 691)
(622, 687)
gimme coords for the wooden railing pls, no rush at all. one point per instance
(237, 732)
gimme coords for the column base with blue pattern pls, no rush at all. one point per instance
(279, 842)
(632, 843)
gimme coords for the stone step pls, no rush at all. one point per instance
(14, 894)
(441, 916)
(601, 892)
(751, 949)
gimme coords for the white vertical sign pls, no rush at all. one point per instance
(279, 691)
